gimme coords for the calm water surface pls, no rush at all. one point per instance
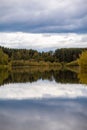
(43, 99)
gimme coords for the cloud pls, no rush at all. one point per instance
(43, 16)
(41, 90)
(44, 41)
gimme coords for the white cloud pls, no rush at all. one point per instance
(42, 41)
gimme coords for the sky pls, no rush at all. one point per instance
(43, 24)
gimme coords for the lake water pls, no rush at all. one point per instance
(43, 99)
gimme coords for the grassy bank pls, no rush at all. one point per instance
(73, 63)
(34, 63)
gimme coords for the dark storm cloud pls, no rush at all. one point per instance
(43, 16)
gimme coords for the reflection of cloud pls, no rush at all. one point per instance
(57, 114)
(42, 89)
(42, 42)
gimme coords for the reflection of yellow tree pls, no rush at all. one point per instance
(82, 77)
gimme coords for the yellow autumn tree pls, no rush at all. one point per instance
(83, 61)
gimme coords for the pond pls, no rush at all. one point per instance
(43, 99)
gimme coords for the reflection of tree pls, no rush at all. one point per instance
(81, 74)
(65, 76)
(73, 69)
(82, 77)
(33, 74)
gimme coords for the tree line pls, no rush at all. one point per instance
(59, 55)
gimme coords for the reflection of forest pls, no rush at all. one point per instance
(65, 76)
(32, 74)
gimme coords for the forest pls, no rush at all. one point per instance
(25, 57)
